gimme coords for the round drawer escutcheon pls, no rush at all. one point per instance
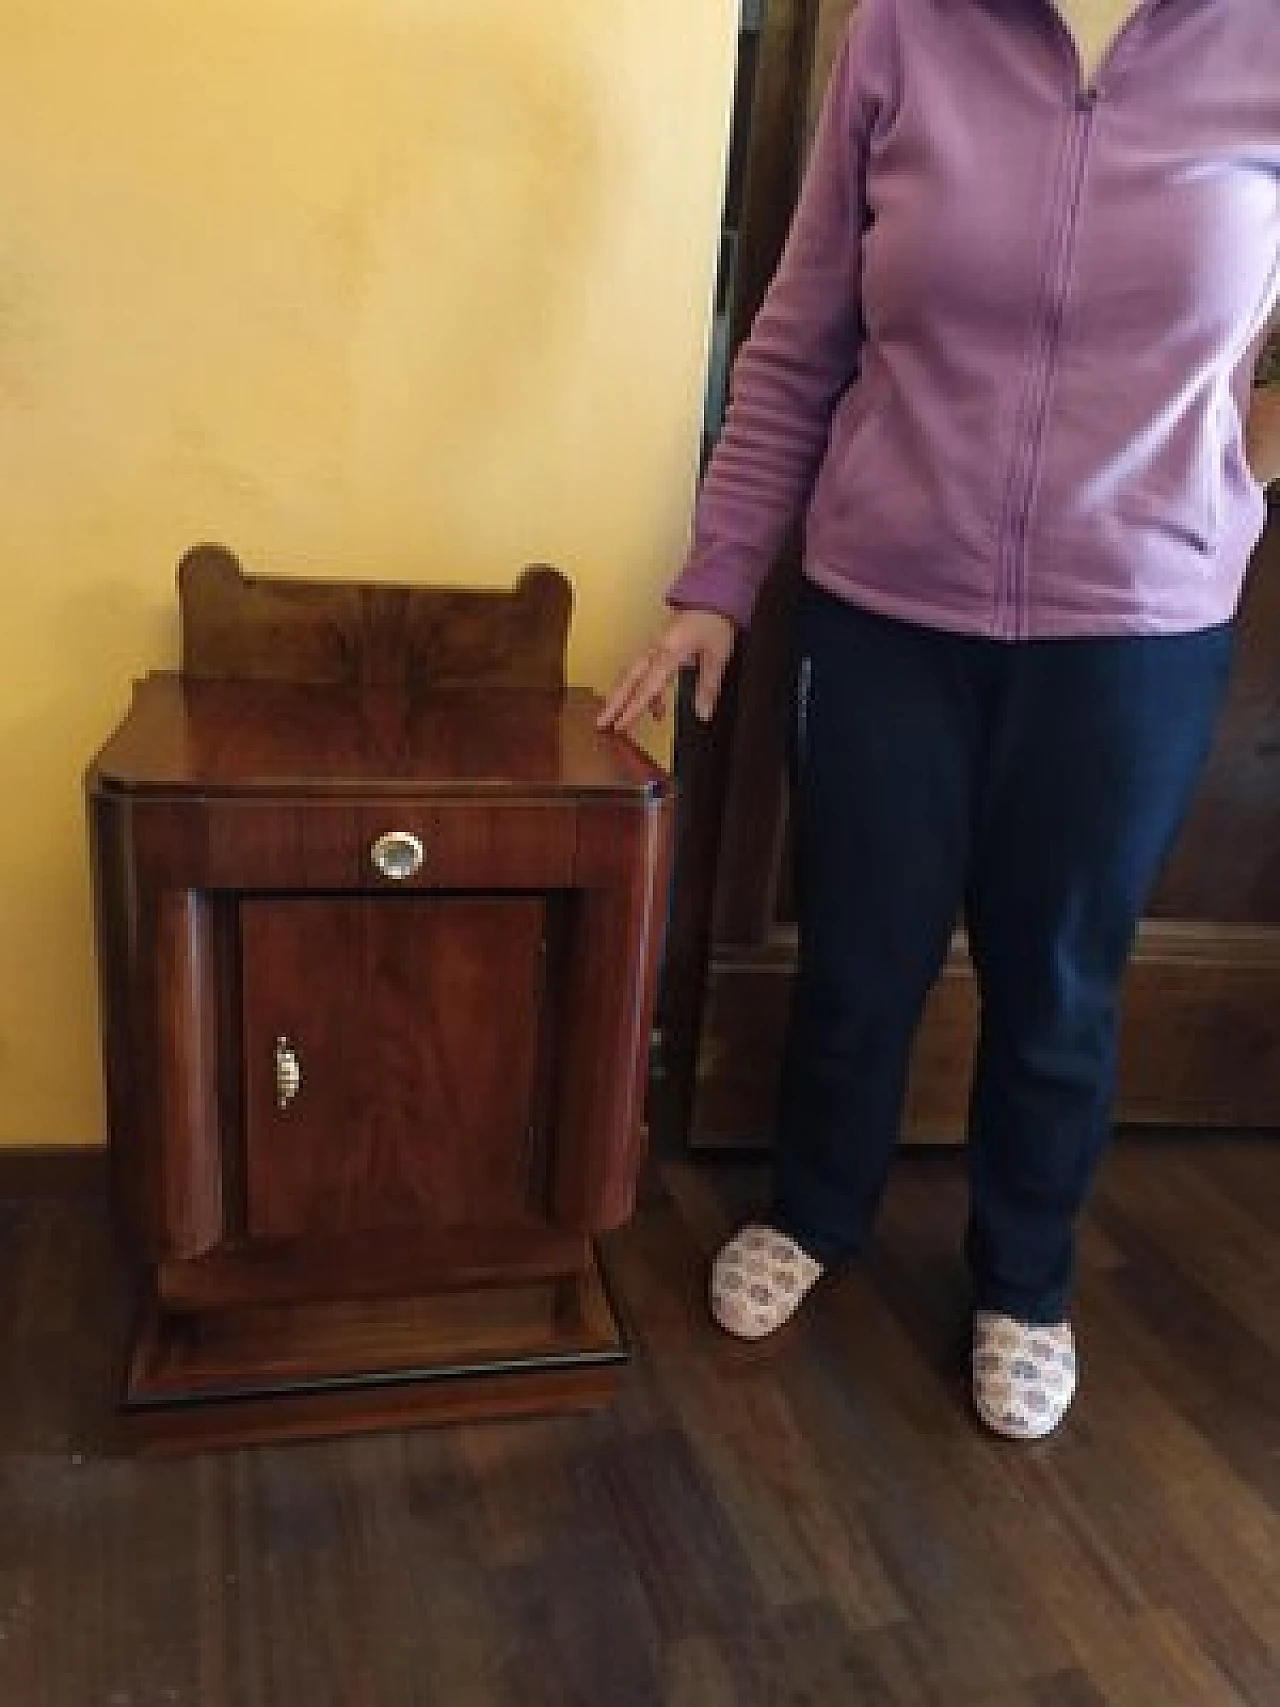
(398, 855)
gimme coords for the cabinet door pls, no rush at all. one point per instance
(391, 1052)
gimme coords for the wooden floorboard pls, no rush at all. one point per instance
(818, 1521)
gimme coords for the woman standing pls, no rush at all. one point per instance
(1006, 367)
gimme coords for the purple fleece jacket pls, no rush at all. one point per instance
(1004, 365)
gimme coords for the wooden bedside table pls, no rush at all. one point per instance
(378, 915)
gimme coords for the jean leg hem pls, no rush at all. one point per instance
(1041, 1310)
(830, 1252)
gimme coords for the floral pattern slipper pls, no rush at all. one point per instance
(1024, 1375)
(759, 1281)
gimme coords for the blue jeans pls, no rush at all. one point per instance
(1032, 788)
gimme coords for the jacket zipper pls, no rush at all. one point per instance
(1011, 613)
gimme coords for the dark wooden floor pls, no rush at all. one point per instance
(817, 1522)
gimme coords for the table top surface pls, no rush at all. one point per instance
(190, 735)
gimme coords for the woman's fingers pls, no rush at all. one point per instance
(629, 697)
(703, 638)
(641, 689)
(619, 698)
(711, 668)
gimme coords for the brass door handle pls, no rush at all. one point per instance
(398, 855)
(288, 1071)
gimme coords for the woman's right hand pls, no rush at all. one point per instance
(702, 638)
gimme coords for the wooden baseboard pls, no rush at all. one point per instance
(63, 1170)
(1200, 1037)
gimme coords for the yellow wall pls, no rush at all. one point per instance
(367, 287)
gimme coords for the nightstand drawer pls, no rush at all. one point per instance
(385, 844)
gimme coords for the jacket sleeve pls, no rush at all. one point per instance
(800, 356)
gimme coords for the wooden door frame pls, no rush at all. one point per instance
(780, 101)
